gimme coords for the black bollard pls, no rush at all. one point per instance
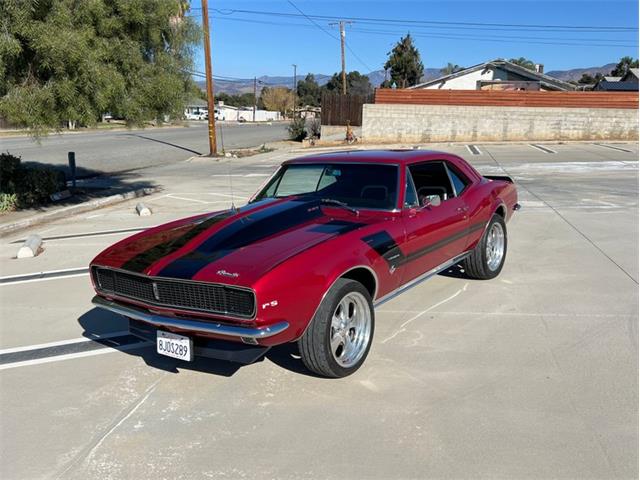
(72, 167)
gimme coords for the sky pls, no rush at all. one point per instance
(245, 44)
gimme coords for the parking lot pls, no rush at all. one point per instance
(531, 375)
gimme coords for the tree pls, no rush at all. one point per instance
(309, 92)
(623, 66)
(68, 62)
(279, 99)
(451, 68)
(588, 79)
(404, 64)
(524, 62)
(357, 83)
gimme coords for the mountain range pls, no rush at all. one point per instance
(376, 78)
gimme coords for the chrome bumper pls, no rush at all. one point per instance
(193, 325)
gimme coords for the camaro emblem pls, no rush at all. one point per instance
(156, 294)
(224, 273)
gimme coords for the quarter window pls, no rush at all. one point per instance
(459, 181)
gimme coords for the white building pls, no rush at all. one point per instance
(244, 114)
(497, 75)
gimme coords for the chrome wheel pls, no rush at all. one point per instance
(495, 246)
(350, 329)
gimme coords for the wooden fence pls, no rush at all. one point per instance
(343, 109)
(507, 98)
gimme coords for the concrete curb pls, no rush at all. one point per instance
(7, 228)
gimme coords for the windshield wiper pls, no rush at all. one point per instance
(332, 201)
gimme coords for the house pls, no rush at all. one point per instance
(626, 83)
(196, 107)
(244, 114)
(497, 74)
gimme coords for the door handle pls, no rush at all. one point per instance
(463, 209)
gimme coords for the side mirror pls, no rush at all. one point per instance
(431, 201)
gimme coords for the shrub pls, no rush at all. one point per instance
(313, 128)
(297, 129)
(8, 202)
(31, 185)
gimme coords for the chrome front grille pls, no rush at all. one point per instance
(183, 294)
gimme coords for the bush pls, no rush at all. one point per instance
(313, 128)
(297, 129)
(31, 185)
(8, 202)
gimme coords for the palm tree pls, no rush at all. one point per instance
(524, 62)
(451, 68)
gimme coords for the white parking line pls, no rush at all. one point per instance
(64, 342)
(611, 147)
(42, 276)
(541, 148)
(70, 356)
(473, 150)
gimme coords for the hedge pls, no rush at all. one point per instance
(26, 185)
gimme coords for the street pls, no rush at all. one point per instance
(531, 375)
(116, 151)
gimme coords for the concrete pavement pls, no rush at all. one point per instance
(530, 375)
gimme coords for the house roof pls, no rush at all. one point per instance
(611, 79)
(197, 102)
(631, 75)
(629, 86)
(545, 80)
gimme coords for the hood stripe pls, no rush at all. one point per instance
(145, 259)
(243, 232)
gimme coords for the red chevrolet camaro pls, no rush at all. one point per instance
(327, 238)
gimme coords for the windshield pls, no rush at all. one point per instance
(356, 185)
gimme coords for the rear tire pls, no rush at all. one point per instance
(338, 339)
(487, 258)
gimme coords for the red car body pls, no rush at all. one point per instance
(287, 252)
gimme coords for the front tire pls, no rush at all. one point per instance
(487, 258)
(338, 339)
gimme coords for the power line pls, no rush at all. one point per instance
(313, 21)
(613, 28)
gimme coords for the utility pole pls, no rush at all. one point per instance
(255, 97)
(295, 87)
(342, 23)
(213, 147)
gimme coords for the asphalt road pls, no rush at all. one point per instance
(114, 151)
(531, 375)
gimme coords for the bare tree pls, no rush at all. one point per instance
(279, 99)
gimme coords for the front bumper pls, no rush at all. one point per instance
(249, 335)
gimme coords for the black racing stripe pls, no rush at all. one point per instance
(386, 247)
(441, 243)
(145, 259)
(245, 231)
(337, 227)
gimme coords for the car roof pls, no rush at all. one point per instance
(394, 157)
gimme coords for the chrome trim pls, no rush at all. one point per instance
(420, 279)
(186, 324)
(176, 307)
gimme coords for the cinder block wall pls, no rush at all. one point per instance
(447, 123)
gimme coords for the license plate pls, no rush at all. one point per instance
(176, 346)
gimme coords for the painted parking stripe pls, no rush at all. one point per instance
(473, 150)
(41, 276)
(541, 148)
(68, 348)
(95, 349)
(619, 149)
(90, 234)
(58, 343)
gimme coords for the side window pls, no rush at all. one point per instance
(459, 181)
(410, 195)
(431, 178)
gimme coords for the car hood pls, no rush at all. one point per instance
(233, 246)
